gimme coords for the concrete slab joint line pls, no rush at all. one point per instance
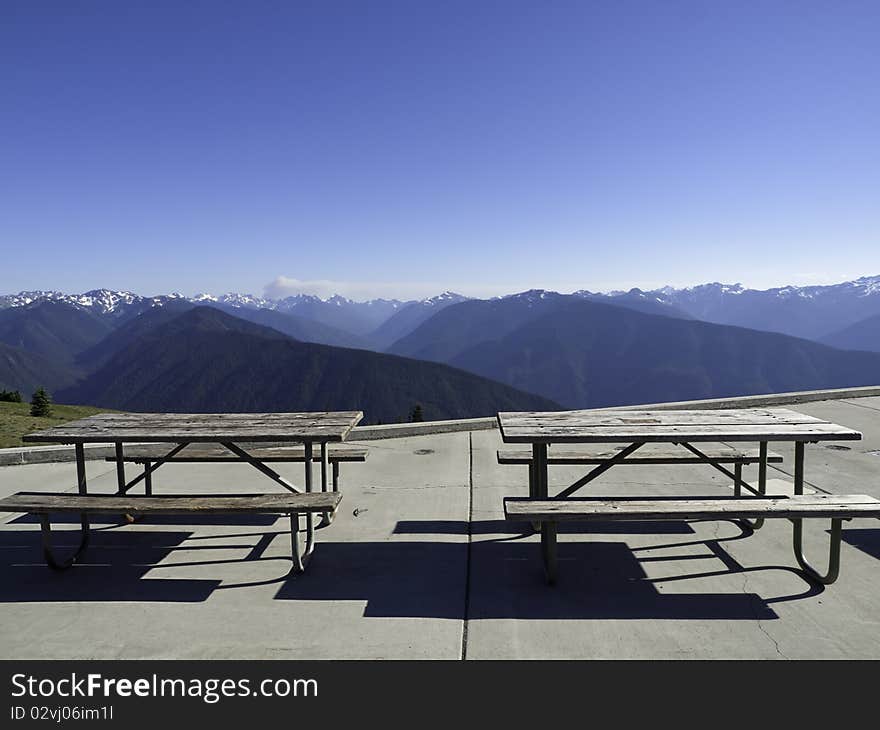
(467, 574)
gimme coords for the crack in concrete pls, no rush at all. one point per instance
(760, 623)
(745, 591)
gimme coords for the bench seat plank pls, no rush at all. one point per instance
(43, 503)
(649, 454)
(811, 505)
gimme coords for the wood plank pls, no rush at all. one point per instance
(182, 420)
(40, 503)
(589, 426)
(243, 415)
(677, 434)
(649, 454)
(812, 505)
(204, 427)
(744, 416)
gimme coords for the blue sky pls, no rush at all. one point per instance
(385, 149)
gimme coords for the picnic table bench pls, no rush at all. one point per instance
(294, 505)
(148, 455)
(180, 431)
(684, 429)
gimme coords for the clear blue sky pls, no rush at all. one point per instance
(409, 146)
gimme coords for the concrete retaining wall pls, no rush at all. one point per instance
(46, 454)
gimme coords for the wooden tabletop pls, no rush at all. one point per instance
(202, 427)
(747, 424)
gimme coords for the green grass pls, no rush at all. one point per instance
(16, 420)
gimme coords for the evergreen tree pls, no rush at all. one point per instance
(416, 415)
(10, 396)
(41, 404)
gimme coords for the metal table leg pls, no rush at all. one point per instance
(538, 477)
(327, 517)
(548, 551)
(45, 525)
(762, 485)
(120, 469)
(49, 554)
(798, 530)
(121, 486)
(833, 552)
(301, 556)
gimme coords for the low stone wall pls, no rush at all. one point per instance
(758, 401)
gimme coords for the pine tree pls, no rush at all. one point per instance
(416, 415)
(41, 404)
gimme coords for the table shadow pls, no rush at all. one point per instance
(500, 578)
(599, 580)
(113, 568)
(506, 527)
(396, 579)
(867, 540)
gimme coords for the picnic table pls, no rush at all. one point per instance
(177, 431)
(688, 431)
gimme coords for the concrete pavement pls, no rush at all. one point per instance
(428, 568)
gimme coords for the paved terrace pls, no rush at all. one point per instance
(421, 564)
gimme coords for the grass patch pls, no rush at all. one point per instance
(16, 420)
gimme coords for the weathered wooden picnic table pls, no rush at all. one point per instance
(690, 430)
(229, 430)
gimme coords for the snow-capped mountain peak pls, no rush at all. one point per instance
(447, 297)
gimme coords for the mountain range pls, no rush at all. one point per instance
(533, 349)
(812, 312)
(335, 321)
(587, 354)
(204, 360)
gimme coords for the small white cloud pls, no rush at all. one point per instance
(284, 286)
(360, 291)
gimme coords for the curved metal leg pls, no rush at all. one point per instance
(302, 555)
(46, 531)
(833, 555)
(548, 551)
